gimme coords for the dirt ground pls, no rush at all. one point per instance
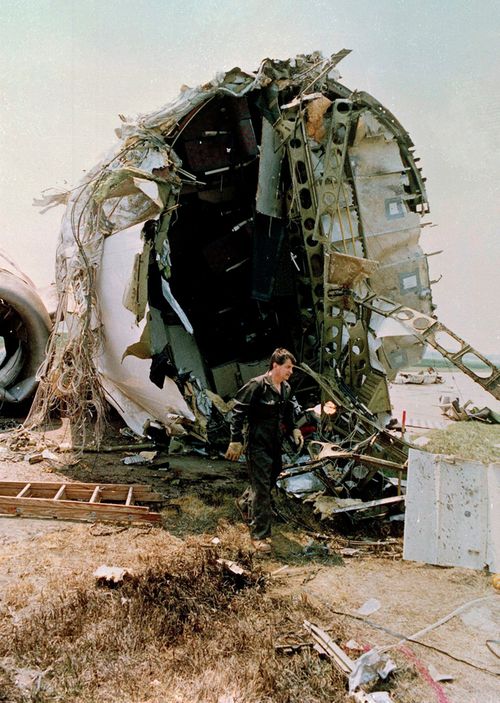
(44, 560)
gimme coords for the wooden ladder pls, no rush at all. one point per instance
(79, 501)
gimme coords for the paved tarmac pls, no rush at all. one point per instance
(421, 402)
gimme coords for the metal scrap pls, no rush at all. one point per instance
(451, 513)
(325, 645)
(369, 667)
(365, 669)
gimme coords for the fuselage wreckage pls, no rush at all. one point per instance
(275, 208)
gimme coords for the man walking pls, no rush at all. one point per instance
(264, 403)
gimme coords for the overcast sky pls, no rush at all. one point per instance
(70, 67)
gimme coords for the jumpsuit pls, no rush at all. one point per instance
(267, 414)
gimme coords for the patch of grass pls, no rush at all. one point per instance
(184, 629)
(467, 440)
(289, 550)
(9, 693)
(190, 515)
(405, 683)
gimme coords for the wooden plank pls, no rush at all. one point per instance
(368, 504)
(72, 510)
(76, 484)
(71, 505)
(363, 458)
(60, 492)
(130, 496)
(83, 491)
(331, 648)
(25, 491)
(96, 495)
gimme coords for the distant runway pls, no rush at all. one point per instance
(422, 402)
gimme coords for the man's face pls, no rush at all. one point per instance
(283, 371)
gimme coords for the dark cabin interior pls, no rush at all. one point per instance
(232, 272)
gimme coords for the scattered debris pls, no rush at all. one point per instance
(418, 635)
(418, 377)
(110, 575)
(341, 481)
(390, 548)
(349, 552)
(316, 549)
(452, 409)
(232, 566)
(139, 459)
(369, 667)
(103, 448)
(325, 645)
(374, 697)
(370, 606)
(437, 676)
(352, 644)
(338, 505)
(31, 681)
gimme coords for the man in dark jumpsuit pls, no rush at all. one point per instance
(265, 404)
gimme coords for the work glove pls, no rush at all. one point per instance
(298, 438)
(234, 451)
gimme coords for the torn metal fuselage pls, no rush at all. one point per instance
(253, 212)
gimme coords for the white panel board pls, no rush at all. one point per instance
(450, 512)
(127, 382)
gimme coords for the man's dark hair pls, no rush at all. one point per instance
(280, 356)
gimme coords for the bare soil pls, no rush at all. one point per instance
(183, 627)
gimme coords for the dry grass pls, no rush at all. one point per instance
(468, 440)
(192, 515)
(183, 628)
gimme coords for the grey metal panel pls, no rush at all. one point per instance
(186, 353)
(253, 368)
(450, 518)
(268, 199)
(493, 546)
(227, 379)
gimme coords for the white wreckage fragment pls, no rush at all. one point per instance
(420, 378)
(369, 667)
(111, 575)
(452, 516)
